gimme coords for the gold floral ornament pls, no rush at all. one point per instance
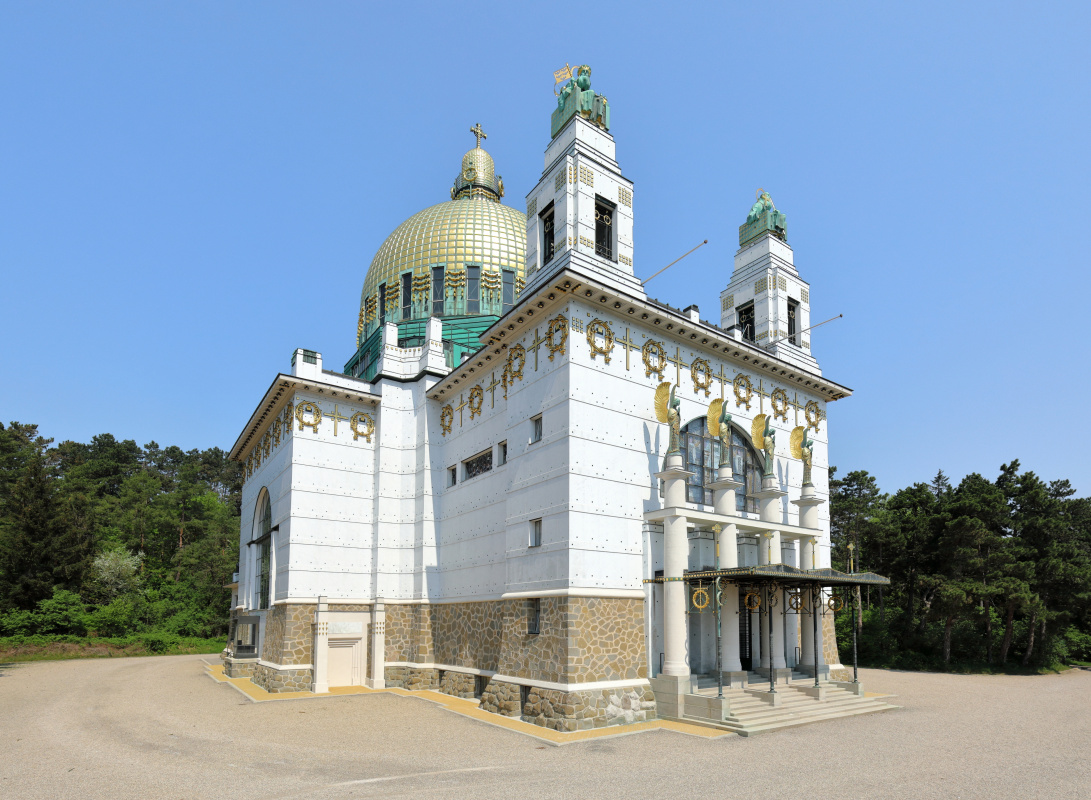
(257, 456)
(596, 328)
(654, 357)
(813, 414)
(701, 599)
(558, 327)
(265, 446)
(249, 466)
(307, 407)
(275, 430)
(368, 429)
(289, 412)
(701, 372)
(779, 400)
(743, 390)
(477, 398)
(446, 419)
(752, 601)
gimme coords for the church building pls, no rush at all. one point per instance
(535, 485)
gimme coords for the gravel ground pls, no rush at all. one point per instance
(158, 727)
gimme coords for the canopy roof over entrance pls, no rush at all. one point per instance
(782, 574)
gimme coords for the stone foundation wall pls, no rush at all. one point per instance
(298, 636)
(581, 711)
(501, 698)
(273, 643)
(239, 669)
(829, 641)
(412, 678)
(457, 684)
(282, 680)
(605, 639)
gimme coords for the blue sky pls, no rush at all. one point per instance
(190, 191)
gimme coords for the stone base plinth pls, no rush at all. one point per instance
(286, 679)
(457, 684)
(412, 678)
(239, 667)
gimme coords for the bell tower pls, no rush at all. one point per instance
(767, 302)
(581, 211)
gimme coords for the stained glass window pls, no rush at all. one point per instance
(478, 465)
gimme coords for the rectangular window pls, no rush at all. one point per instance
(452, 476)
(548, 247)
(604, 228)
(478, 465)
(509, 290)
(534, 616)
(473, 290)
(437, 291)
(793, 321)
(382, 303)
(744, 321)
(536, 429)
(407, 295)
(535, 533)
(502, 454)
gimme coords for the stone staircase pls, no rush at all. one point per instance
(754, 710)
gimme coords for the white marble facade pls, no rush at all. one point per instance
(382, 522)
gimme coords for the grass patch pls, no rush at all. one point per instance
(14, 649)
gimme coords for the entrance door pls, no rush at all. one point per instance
(340, 669)
(744, 633)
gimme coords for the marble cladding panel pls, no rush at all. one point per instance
(581, 711)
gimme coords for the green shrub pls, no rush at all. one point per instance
(64, 612)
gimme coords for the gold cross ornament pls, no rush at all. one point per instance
(480, 134)
(628, 344)
(336, 417)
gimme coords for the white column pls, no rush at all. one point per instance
(777, 617)
(320, 655)
(378, 646)
(728, 547)
(675, 560)
(792, 618)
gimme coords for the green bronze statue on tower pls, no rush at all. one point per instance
(576, 97)
(763, 218)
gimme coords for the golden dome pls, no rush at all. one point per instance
(473, 228)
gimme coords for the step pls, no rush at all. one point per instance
(768, 723)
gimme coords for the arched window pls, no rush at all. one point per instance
(702, 453)
(263, 523)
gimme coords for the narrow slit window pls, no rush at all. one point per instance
(548, 246)
(509, 290)
(535, 533)
(793, 322)
(604, 228)
(382, 303)
(745, 321)
(536, 429)
(407, 295)
(502, 454)
(534, 616)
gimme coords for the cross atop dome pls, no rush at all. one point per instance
(479, 133)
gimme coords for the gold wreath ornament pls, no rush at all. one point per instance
(752, 601)
(740, 383)
(795, 444)
(558, 325)
(701, 599)
(662, 401)
(477, 398)
(369, 427)
(835, 603)
(307, 407)
(779, 401)
(446, 419)
(757, 432)
(813, 414)
(516, 353)
(713, 418)
(701, 372)
(653, 349)
(795, 601)
(596, 328)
